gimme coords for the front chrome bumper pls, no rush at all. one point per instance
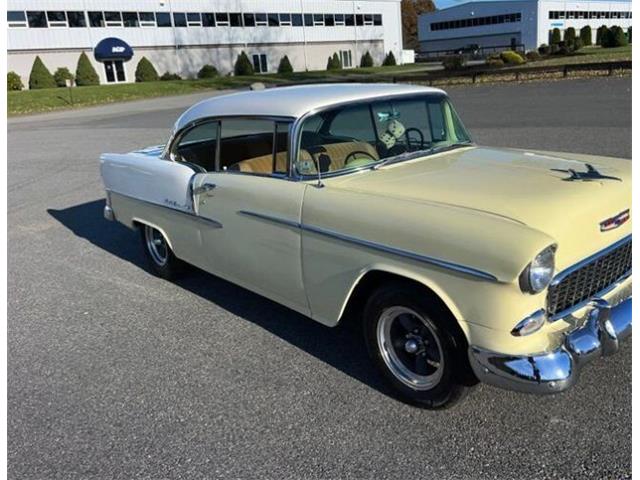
(556, 371)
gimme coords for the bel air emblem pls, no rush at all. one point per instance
(615, 221)
(589, 176)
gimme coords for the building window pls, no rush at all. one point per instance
(318, 20)
(130, 19)
(96, 19)
(179, 19)
(285, 19)
(345, 58)
(368, 19)
(478, 21)
(113, 19)
(328, 20)
(193, 20)
(308, 20)
(260, 63)
(37, 19)
(349, 20)
(249, 20)
(163, 19)
(57, 19)
(208, 20)
(273, 20)
(147, 19)
(377, 20)
(222, 19)
(359, 20)
(76, 19)
(339, 20)
(261, 20)
(16, 19)
(296, 20)
(235, 19)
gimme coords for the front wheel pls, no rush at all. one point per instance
(414, 345)
(159, 254)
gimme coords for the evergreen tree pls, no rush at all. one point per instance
(243, 65)
(285, 66)
(145, 71)
(40, 76)
(85, 73)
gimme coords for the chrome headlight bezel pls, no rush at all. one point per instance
(538, 274)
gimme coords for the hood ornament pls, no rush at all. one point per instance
(590, 175)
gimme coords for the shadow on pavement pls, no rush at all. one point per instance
(341, 347)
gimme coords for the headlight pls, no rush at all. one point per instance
(538, 274)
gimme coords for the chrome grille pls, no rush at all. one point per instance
(591, 277)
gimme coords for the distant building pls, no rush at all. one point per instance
(512, 23)
(180, 36)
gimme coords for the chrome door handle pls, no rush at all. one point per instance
(204, 188)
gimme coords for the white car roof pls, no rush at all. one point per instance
(294, 101)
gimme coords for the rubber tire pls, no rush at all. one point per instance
(454, 384)
(171, 270)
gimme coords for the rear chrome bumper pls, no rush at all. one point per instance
(108, 213)
(556, 371)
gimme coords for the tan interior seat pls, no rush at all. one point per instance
(337, 153)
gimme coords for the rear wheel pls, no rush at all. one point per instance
(159, 254)
(413, 343)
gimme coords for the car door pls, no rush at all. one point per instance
(251, 196)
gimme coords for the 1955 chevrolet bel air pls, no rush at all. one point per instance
(371, 202)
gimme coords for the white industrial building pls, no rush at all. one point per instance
(524, 23)
(180, 36)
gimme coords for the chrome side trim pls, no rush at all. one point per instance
(193, 216)
(269, 218)
(403, 253)
(568, 271)
(374, 246)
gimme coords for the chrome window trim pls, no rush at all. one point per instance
(375, 246)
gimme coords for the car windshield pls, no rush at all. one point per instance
(372, 134)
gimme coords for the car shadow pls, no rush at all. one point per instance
(341, 347)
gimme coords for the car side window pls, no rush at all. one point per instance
(254, 146)
(197, 147)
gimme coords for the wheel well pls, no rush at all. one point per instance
(376, 278)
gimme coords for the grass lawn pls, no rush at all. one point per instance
(45, 100)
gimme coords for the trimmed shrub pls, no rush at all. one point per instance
(601, 33)
(532, 56)
(613, 37)
(285, 66)
(577, 44)
(166, 76)
(40, 76)
(333, 62)
(585, 36)
(62, 75)
(243, 66)
(145, 71)
(511, 58)
(556, 38)
(629, 34)
(14, 82)
(366, 60)
(85, 73)
(453, 62)
(569, 36)
(390, 60)
(544, 49)
(554, 49)
(494, 62)
(208, 71)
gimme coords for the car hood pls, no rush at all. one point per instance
(529, 187)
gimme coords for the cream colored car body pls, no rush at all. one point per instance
(463, 223)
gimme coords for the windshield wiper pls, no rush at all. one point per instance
(419, 153)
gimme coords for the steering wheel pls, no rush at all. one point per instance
(359, 161)
(410, 142)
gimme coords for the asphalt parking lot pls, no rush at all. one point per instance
(114, 373)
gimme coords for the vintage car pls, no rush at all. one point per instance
(372, 203)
